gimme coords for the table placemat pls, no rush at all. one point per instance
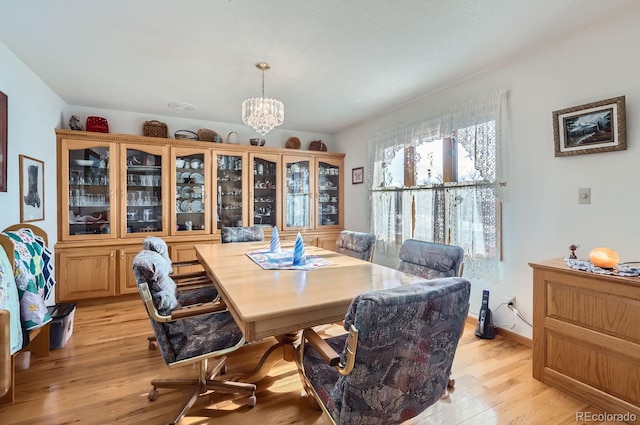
(283, 260)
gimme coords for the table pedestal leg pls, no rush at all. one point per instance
(283, 350)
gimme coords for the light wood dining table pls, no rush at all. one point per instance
(279, 303)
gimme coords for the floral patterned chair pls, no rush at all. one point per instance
(193, 287)
(242, 234)
(394, 361)
(356, 244)
(187, 335)
(430, 259)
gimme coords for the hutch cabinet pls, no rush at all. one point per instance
(117, 189)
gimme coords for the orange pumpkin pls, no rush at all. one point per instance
(603, 257)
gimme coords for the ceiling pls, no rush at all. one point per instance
(333, 62)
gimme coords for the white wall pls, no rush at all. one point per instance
(131, 123)
(542, 217)
(34, 110)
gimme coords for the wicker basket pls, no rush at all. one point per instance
(154, 129)
(317, 145)
(292, 143)
(207, 135)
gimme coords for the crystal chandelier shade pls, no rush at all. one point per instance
(261, 113)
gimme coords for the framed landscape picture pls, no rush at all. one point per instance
(590, 128)
(31, 189)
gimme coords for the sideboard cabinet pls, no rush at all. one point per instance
(586, 338)
(115, 189)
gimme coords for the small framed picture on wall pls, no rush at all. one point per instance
(31, 189)
(357, 175)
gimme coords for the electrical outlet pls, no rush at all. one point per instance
(510, 299)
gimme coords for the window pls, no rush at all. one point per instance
(440, 184)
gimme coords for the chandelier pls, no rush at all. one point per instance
(261, 113)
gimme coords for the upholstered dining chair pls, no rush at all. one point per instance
(394, 361)
(192, 335)
(192, 287)
(430, 259)
(242, 234)
(198, 281)
(356, 244)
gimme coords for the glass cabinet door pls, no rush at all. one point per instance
(191, 213)
(297, 192)
(264, 205)
(89, 193)
(143, 186)
(329, 189)
(230, 190)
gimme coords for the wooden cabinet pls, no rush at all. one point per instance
(329, 193)
(184, 252)
(85, 273)
(231, 175)
(144, 190)
(111, 190)
(88, 205)
(191, 178)
(264, 194)
(126, 278)
(586, 338)
(298, 192)
(313, 195)
(117, 189)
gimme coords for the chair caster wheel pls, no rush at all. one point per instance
(223, 371)
(252, 401)
(153, 345)
(451, 383)
(153, 395)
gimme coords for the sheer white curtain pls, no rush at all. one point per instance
(464, 214)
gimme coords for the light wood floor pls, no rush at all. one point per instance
(102, 377)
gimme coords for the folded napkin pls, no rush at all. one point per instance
(299, 257)
(274, 246)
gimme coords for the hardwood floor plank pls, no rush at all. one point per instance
(102, 376)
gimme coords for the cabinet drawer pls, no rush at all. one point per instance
(606, 311)
(599, 367)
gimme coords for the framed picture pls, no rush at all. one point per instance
(357, 175)
(3, 141)
(31, 189)
(591, 128)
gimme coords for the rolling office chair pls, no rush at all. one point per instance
(356, 244)
(432, 260)
(395, 360)
(192, 287)
(187, 335)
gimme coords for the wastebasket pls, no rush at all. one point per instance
(61, 324)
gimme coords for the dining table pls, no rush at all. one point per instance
(280, 302)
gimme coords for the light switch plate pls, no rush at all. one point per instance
(584, 195)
